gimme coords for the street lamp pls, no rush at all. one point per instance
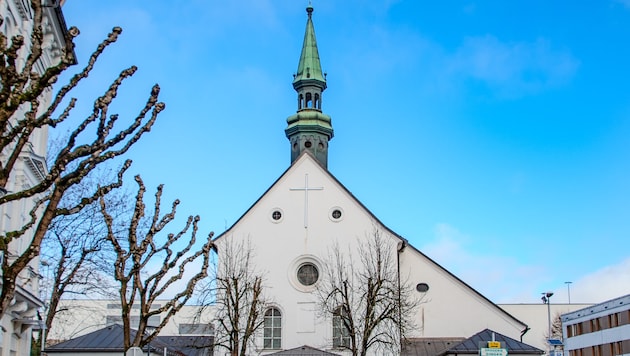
(568, 290)
(546, 298)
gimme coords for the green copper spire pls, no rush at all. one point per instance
(309, 129)
(309, 67)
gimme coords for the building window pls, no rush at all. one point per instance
(335, 214)
(340, 332)
(304, 273)
(276, 215)
(307, 274)
(272, 338)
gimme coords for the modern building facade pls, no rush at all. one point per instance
(599, 330)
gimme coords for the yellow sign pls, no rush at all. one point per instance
(494, 344)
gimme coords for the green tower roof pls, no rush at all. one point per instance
(309, 67)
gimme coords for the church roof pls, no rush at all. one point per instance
(309, 67)
(304, 351)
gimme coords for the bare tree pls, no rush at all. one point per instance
(75, 251)
(371, 308)
(92, 141)
(148, 268)
(240, 304)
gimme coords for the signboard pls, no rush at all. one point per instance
(492, 352)
(494, 344)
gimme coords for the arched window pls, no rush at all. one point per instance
(300, 102)
(318, 104)
(309, 100)
(272, 333)
(340, 332)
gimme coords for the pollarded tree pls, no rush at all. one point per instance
(370, 305)
(237, 290)
(150, 266)
(76, 254)
(98, 138)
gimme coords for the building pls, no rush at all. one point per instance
(537, 318)
(81, 317)
(109, 341)
(307, 212)
(17, 324)
(598, 330)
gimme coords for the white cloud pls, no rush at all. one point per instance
(498, 277)
(512, 69)
(604, 284)
(504, 279)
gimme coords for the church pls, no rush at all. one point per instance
(307, 216)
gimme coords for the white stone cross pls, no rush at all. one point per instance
(306, 189)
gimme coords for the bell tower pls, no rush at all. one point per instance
(309, 128)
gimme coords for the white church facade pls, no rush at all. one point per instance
(307, 212)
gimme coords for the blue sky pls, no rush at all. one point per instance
(494, 136)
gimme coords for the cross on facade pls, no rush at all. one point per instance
(306, 189)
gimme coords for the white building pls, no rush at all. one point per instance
(17, 324)
(598, 330)
(537, 318)
(294, 225)
(79, 317)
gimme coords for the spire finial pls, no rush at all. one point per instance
(309, 8)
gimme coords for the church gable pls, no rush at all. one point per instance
(306, 212)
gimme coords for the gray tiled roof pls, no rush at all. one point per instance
(303, 351)
(430, 346)
(110, 339)
(471, 345)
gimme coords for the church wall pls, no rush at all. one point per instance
(281, 246)
(450, 307)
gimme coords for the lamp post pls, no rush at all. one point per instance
(546, 298)
(568, 290)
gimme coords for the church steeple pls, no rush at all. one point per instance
(309, 129)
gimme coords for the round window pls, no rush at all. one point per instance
(335, 214)
(422, 287)
(276, 215)
(307, 274)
